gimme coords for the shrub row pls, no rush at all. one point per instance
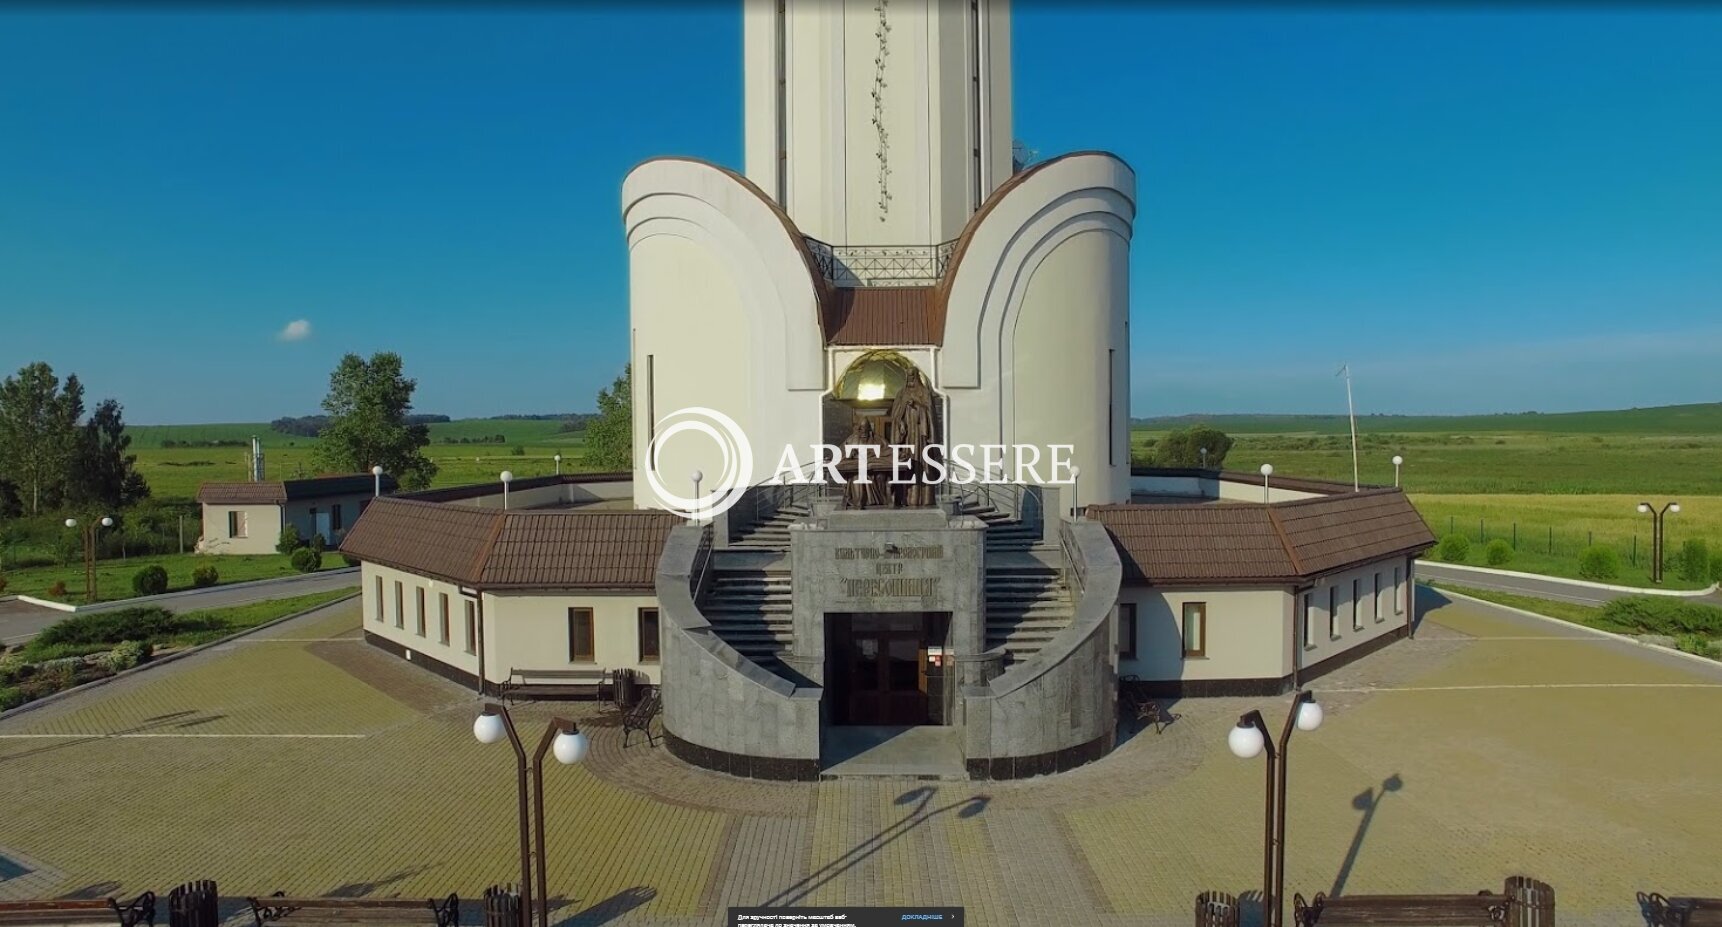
(1650, 614)
(140, 622)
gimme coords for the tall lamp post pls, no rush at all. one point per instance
(106, 521)
(1267, 471)
(1397, 461)
(558, 459)
(697, 475)
(1656, 516)
(507, 477)
(377, 481)
(563, 737)
(1204, 452)
(1247, 740)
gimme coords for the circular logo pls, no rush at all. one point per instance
(714, 493)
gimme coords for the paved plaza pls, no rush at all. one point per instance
(1490, 745)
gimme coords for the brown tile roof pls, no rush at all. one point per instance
(492, 549)
(1254, 543)
(474, 490)
(881, 315)
(276, 492)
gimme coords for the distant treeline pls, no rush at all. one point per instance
(310, 426)
(216, 442)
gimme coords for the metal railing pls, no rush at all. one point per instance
(882, 265)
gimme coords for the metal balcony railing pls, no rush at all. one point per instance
(882, 265)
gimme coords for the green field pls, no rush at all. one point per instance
(1692, 419)
(114, 577)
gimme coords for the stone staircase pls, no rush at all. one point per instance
(1004, 532)
(773, 533)
(1028, 603)
(751, 611)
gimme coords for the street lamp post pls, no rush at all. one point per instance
(1247, 739)
(1075, 494)
(558, 459)
(1267, 471)
(1656, 516)
(570, 746)
(106, 521)
(1204, 458)
(1397, 461)
(377, 481)
(507, 477)
(697, 475)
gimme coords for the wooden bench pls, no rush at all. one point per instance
(1681, 912)
(555, 683)
(140, 910)
(1523, 902)
(1134, 703)
(638, 717)
(403, 911)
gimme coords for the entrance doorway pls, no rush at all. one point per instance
(886, 669)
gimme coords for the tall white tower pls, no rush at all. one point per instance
(878, 122)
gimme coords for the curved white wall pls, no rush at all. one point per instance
(1039, 298)
(722, 303)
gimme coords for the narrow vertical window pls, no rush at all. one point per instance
(580, 635)
(442, 607)
(1111, 422)
(1309, 619)
(648, 635)
(335, 522)
(1357, 605)
(379, 598)
(651, 404)
(420, 595)
(1398, 594)
(1333, 611)
(400, 607)
(1375, 600)
(471, 626)
(1127, 630)
(1195, 629)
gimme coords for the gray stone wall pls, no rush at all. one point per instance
(714, 697)
(886, 560)
(1065, 696)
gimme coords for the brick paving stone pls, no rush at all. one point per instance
(1480, 749)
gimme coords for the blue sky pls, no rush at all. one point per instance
(1480, 210)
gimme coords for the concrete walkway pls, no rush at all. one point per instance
(20, 621)
(1542, 587)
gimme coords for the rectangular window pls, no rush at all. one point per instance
(442, 611)
(335, 517)
(648, 635)
(651, 406)
(1375, 600)
(580, 635)
(471, 626)
(1309, 619)
(236, 524)
(1398, 595)
(1127, 630)
(1333, 612)
(400, 607)
(1357, 605)
(420, 625)
(379, 598)
(1195, 629)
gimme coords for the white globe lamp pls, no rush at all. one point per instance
(570, 747)
(488, 728)
(1245, 741)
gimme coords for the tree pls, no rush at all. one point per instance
(1182, 448)
(102, 475)
(39, 431)
(369, 405)
(610, 435)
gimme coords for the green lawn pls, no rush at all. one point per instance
(114, 577)
(1589, 616)
(211, 624)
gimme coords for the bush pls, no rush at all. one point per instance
(1498, 553)
(141, 622)
(351, 560)
(126, 654)
(1599, 562)
(319, 543)
(1692, 562)
(1656, 614)
(58, 590)
(13, 668)
(1455, 548)
(151, 580)
(205, 576)
(517, 451)
(306, 560)
(1716, 567)
(2, 582)
(11, 697)
(290, 540)
(1697, 644)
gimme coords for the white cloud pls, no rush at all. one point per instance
(296, 330)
